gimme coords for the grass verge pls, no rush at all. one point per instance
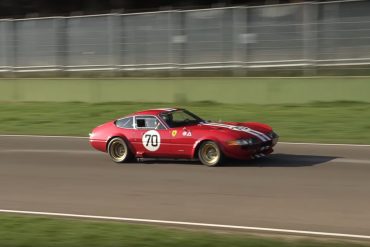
(336, 122)
(29, 231)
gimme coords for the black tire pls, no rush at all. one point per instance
(118, 150)
(210, 154)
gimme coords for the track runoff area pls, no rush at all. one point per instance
(309, 156)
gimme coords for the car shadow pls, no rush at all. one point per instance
(273, 160)
(282, 160)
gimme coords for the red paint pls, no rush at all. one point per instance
(181, 142)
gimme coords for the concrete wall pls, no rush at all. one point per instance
(224, 90)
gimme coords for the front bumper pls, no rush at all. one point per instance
(245, 152)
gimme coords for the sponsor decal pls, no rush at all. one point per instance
(174, 133)
(186, 133)
(151, 140)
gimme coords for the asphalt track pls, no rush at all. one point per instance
(304, 187)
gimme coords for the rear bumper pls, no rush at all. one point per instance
(100, 145)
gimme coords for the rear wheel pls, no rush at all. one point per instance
(118, 150)
(209, 153)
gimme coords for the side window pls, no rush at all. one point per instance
(148, 122)
(140, 123)
(126, 123)
(179, 116)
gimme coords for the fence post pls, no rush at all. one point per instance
(61, 25)
(235, 47)
(172, 61)
(3, 42)
(12, 47)
(114, 51)
(14, 43)
(239, 45)
(310, 36)
(4, 36)
(184, 45)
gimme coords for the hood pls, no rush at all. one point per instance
(264, 128)
(239, 130)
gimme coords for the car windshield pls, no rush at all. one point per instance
(180, 118)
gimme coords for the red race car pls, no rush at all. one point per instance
(180, 134)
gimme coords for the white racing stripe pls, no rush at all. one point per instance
(261, 135)
(258, 134)
(166, 109)
(238, 128)
(183, 223)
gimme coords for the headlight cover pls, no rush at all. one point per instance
(272, 135)
(243, 142)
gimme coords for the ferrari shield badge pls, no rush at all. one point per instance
(174, 133)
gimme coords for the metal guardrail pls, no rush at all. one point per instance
(305, 35)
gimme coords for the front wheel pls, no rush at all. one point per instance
(118, 150)
(209, 153)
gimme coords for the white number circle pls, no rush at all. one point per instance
(151, 140)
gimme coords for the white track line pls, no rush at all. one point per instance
(287, 143)
(183, 223)
(325, 144)
(352, 161)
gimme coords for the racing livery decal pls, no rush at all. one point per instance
(151, 140)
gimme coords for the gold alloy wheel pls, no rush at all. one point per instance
(117, 150)
(209, 154)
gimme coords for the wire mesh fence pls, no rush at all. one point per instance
(305, 36)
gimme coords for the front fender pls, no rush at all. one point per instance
(207, 138)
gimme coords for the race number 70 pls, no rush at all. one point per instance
(151, 140)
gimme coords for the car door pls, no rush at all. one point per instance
(183, 132)
(182, 141)
(151, 138)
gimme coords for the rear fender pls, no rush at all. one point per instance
(130, 146)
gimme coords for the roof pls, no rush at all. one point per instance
(154, 111)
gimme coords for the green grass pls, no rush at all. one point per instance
(29, 231)
(336, 122)
(228, 90)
